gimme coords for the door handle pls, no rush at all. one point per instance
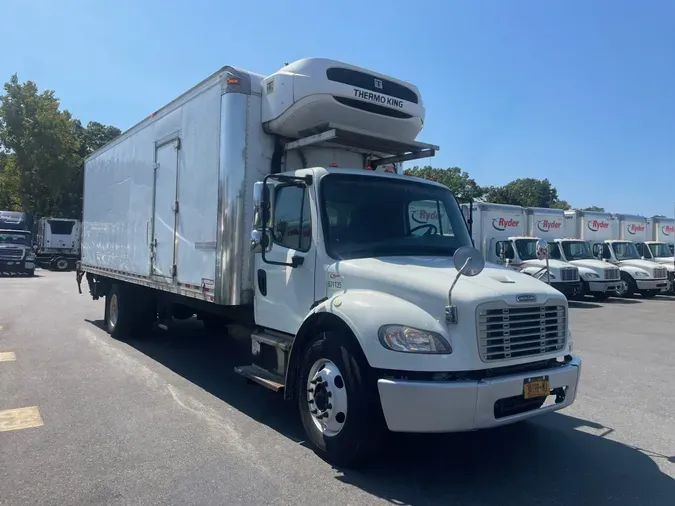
(297, 261)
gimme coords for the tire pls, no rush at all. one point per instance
(126, 312)
(631, 285)
(61, 264)
(353, 410)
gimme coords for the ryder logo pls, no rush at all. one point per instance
(502, 224)
(668, 229)
(595, 225)
(547, 226)
(423, 216)
(634, 228)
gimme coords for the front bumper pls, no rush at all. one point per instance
(568, 288)
(605, 286)
(13, 266)
(651, 284)
(430, 406)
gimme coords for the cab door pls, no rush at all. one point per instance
(284, 273)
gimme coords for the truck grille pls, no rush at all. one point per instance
(612, 274)
(513, 332)
(660, 273)
(11, 254)
(569, 274)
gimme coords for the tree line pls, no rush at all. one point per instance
(525, 192)
(42, 152)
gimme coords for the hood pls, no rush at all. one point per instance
(592, 264)
(13, 245)
(417, 278)
(552, 264)
(647, 265)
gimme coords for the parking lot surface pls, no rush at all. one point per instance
(86, 419)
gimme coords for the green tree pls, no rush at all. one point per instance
(594, 209)
(47, 147)
(10, 182)
(459, 182)
(526, 192)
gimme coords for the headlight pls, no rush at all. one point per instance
(411, 340)
(592, 275)
(639, 274)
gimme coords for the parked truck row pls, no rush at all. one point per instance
(591, 253)
(272, 203)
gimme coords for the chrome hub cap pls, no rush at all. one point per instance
(113, 311)
(327, 397)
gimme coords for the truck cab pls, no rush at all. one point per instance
(16, 252)
(601, 280)
(500, 233)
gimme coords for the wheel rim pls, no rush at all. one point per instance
(623, 289)
(113, 311)
(327, 397)
(61, 264)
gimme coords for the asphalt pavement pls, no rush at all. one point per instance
(86, 419)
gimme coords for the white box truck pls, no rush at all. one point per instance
(500, 232)
(599, 279)
(57, 245)
(636, 229)
(602, 232)
(260, 200)
(660, 237)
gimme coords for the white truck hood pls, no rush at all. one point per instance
(647, 265)
(416, 278)
(591, 264)
(552, 264)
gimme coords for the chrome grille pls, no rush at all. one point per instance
(660, 273)
(11, 253)
(612, 273)
(569, 274)
(506, 333)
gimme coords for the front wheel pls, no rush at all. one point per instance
(61, 264)
(629, 285)
(338, 400)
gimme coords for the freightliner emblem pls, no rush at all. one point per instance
(526, 298)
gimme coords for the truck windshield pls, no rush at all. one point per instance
(366, 216)
(15, 238)
(625, 251)
(660, 250)
(527, 249)
(577, 250)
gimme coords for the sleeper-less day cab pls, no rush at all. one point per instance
(602, 232)
(265, 201)
(599, 279)
(503, 235)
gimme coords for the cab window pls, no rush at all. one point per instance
(292, 227)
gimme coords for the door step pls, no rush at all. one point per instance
(262, 377)
(274, 339)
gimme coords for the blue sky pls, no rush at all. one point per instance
(580, 92)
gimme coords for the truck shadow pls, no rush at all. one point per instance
(556, 459)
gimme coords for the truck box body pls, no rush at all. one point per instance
(662, 230)
(178, 185)
(591, 226)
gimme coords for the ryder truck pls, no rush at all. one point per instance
(500, 232)
(602, 232)
(238, 201)
(599, 279)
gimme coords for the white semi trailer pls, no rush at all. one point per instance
(599, 279)
(500, 232)
(601, 231)
(259, 200)
(57, 244)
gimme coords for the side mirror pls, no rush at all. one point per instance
(468, 261)
(502, 251)
(259, 241)
(542, 249)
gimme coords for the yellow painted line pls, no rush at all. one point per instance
(20, 418)
(7, 356)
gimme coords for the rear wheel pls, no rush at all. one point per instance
(338, 400)
(128, 311)
(60, 264)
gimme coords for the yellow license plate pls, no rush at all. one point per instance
(536, 387)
